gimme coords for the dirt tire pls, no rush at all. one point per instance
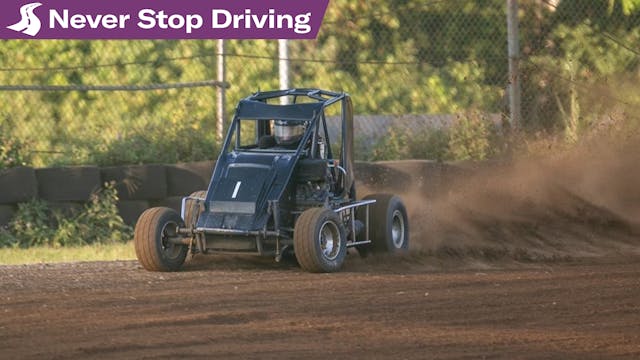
(73, 183)
(138, 182)
(152, 250)
(130, 210)
(18, 185)
(186, 178)
(389, 225)
(191, 212)
(319, 241)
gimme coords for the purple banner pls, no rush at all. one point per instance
(161, 19)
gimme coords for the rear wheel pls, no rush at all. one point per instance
(154, 229)
(388, 223)
(319, 241)
(191, 210)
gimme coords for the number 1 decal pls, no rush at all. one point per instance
(235, 191)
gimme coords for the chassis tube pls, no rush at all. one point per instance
(179, 240)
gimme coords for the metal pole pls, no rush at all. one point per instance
(221, 91)
(514, 64)
(283, 51)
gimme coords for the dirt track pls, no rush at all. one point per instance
(379, 308)
(529, 260)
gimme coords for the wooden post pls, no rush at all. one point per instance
(514, 64)
(283, 55)
(221, 91)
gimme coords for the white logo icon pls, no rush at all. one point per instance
(29, 24)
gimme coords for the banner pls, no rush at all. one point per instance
(161, 19)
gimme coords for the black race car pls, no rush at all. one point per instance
(281, 184)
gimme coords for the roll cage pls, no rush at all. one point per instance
(305, 105)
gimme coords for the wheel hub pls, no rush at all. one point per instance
(397, 229)
(169, 231)
(330, 240)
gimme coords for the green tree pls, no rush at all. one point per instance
(628, 6)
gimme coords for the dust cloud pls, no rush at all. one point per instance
(579, 203)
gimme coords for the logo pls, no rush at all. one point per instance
(29, 24)
(161, 19)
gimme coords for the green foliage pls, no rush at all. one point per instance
(99, 222)
(442, 59)
(628, 6)
(391, 146)
(157, 143)
(35, 224)
(393, 57)
(70, 127)
(606, 14)
(430, 144)
(31, 226)
(470, 137)
(12, 152)
(427, 143)
(585, 78)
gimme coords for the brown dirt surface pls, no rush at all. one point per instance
(534, 259)
(391, 308)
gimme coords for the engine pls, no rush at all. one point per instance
(312, 193)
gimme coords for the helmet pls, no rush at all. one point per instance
(288, 132)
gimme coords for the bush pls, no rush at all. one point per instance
(392, 146)
(12, 152)
(35, 224)
(158, 144)
(169, 143)
(430, 143)
(470, 137)
(31, 226)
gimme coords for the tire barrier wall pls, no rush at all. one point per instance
(143, 186)
(68, 188)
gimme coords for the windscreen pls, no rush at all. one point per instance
(263, 135)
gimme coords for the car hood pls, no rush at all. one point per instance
(242, 186)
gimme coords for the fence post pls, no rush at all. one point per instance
(221, 91)
(514, 64)
(283, 55)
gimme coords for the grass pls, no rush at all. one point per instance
(44, 254)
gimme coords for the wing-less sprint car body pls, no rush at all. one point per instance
(281, 184)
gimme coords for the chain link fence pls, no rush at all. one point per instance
(578, 69)
(579, 65)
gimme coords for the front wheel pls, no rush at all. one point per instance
(319, 241)
(154, 250)
(389, 224)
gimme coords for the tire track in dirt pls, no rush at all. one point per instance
(220, 308)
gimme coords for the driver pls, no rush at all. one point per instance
(288, 133)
